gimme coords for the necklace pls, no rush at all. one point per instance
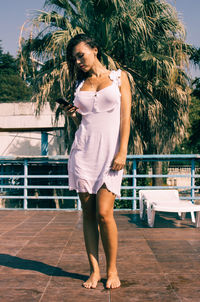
(92, 84)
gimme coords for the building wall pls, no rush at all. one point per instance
(29, 143)
(179, 181)
(22, 117)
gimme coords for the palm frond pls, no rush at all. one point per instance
(143, 37)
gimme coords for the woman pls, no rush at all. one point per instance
(99, 151)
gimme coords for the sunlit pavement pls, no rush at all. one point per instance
(43, 258)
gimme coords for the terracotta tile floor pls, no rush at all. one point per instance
(42, 258)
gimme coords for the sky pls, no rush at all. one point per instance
(13, 13)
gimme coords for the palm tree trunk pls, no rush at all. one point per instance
(157, 169)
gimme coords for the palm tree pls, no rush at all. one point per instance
(143, 37)
(194, 141)
(195, 56)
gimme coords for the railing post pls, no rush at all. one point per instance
(134, 184)
(79, 204)
(192, 179)
(44, 143)
(25, 183)
(2, 182)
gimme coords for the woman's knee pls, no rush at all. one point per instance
(104, 216)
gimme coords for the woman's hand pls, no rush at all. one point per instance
(72, 113)
(69, 112)
(119, 161)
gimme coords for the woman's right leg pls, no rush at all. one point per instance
(91, 237)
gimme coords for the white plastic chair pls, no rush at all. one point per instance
(152, 201)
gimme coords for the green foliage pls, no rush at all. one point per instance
(12, 87)
(196, 90)
(7, 64)
(191, 144)
(194, 138)
(195, 56)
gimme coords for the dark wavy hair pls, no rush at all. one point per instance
(76, 75)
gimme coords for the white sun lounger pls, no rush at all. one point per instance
(153, 201)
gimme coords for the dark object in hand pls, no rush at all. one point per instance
(61, 101)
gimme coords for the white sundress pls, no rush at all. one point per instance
(97, 139)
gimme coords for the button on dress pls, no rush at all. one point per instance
(97, 139)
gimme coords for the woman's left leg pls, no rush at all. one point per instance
(108, 229)
(91, 237)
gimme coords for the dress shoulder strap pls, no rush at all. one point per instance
(115, 76)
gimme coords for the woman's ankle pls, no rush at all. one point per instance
(95, 271)
(112, 271)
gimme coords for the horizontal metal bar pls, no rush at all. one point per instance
(167, 176)
(34, 176)
(164, 156)
(76, 197)
(41, 209)
(52, 197)
(181, 197)
(11, 197)
(55, 197)
(124, 176)
(189, 197)
(64, 158)
(122, 187)
(70, 197)
(159, 175)
(39, 197)
(32, 187)
(56, 209)
(166, 187)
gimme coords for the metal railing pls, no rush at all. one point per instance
(23, 181)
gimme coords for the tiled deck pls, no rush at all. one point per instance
(42, 258)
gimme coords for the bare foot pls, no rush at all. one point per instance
(92, 281)
(113, 281)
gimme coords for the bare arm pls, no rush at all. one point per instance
(125, 117)
(76, 117)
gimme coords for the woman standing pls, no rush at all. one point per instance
(99, 151)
